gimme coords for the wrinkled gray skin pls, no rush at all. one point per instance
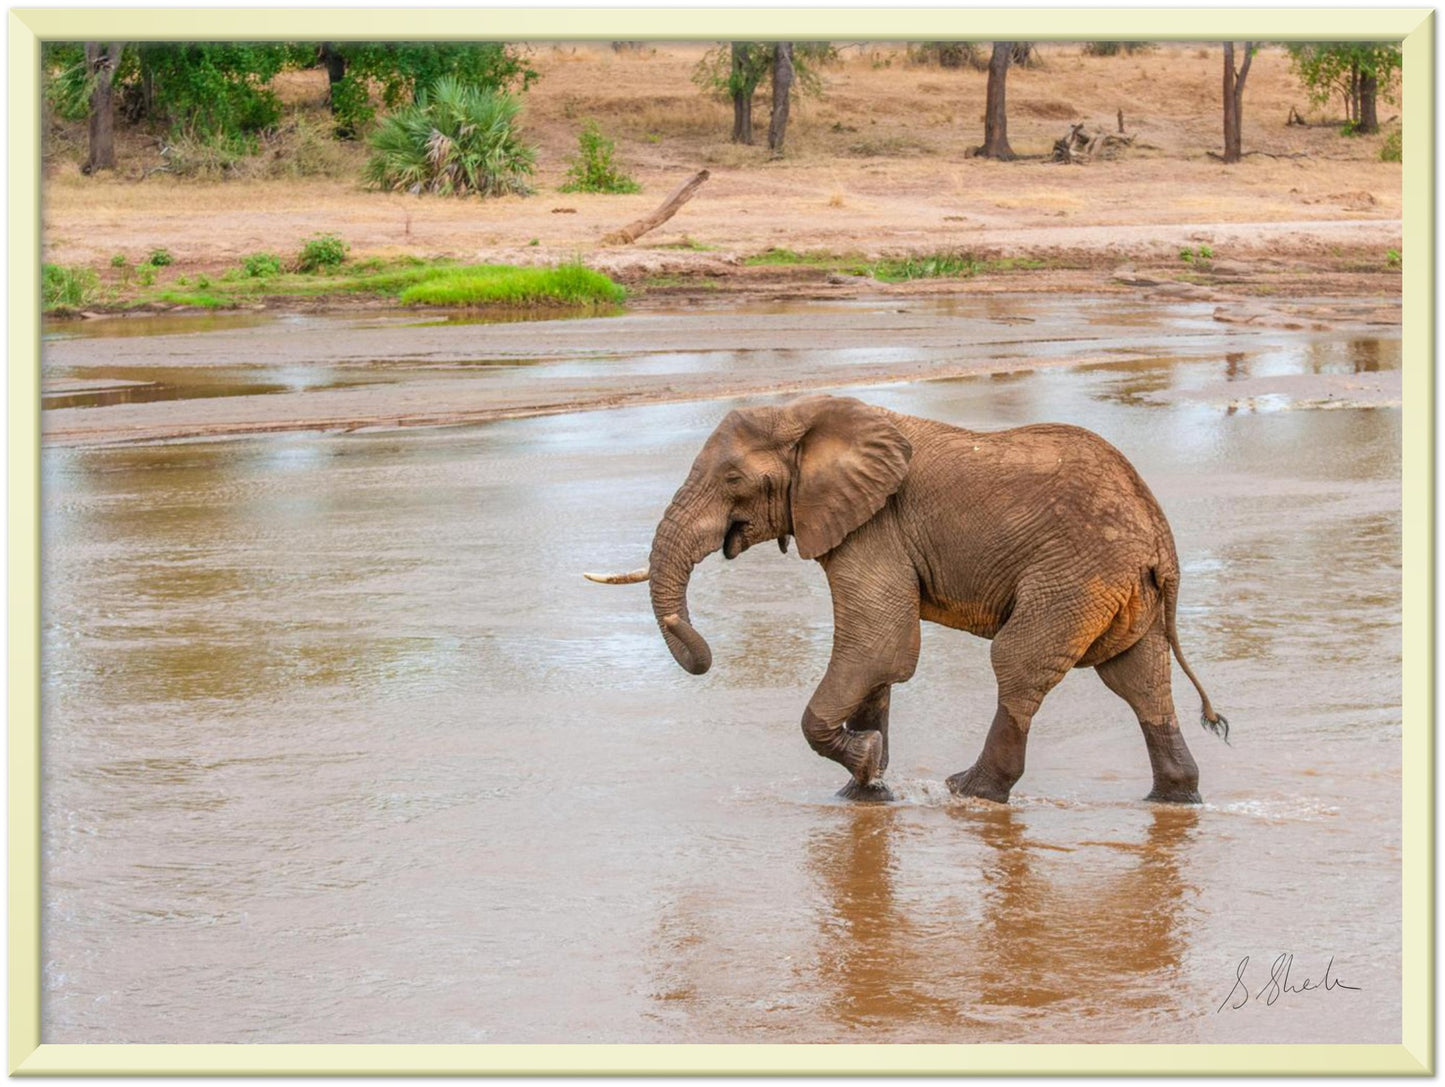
(1043, 539)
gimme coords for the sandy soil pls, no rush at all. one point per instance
(880, 165)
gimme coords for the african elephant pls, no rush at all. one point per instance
(1042, 538)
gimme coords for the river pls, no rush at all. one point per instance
(338, 745)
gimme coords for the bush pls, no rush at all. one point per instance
(64, 287)
(159, 258)
(1113, 49)
(208, 157)
(260, 265)
(1391, 150)
(592, 169)
(455, 140)
(118, 261)
(949, 55)
(322, 251)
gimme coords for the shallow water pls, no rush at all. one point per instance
(339, 746)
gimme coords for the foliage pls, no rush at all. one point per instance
(322, 251)
(1392, 258)
(159, 258)
(1392, 150)
(259, 265)
(568, 284)
(216, 89)
(63, 287)
(591, 170)
(118, 261)
(457, 139)
(714, 73)
(1330, 68)
(401, 70)
(66, 81)
(202, 89)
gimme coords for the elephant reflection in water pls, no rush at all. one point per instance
(1027, 940)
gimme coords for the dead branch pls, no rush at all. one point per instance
(630, 233)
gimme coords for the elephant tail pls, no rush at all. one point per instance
(1168, 582)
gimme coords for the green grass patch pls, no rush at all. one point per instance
(201, 299)
(67, 287)
(790, 256)
(900, 269)
(502, 285)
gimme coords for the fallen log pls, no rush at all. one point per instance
(630, 233)
(1077, 146)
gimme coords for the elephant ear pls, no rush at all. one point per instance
(850, 459)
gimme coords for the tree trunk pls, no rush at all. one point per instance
(335, 72)
(1368, 120)
(742, 88)
(1234, 100)
(102, 59)
(995, 116)
(782, 93)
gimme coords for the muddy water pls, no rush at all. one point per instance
(338, 746)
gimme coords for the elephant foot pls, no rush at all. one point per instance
(871, 792)
(1174, 794)
(979, 783)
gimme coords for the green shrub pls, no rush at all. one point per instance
(145, 274)
(322, 251)
(159, 258)
(455, 140)
(949, 55)
(63, 287)
(1391, 150)
(1392, 258)
(118, 261)
(1206, 253)
(591, 169)
(260, 265)
(1113, 49)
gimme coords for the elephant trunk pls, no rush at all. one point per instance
(685, 536)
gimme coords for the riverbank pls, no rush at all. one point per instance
(880, 168)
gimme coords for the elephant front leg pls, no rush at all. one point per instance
(872, 716)
(861, 753)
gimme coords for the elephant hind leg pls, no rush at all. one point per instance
(1043, 639)
(1140, 676)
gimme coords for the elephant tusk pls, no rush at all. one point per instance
(620, 579)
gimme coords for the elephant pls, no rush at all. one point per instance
(1043, 539)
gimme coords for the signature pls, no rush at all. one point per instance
(1279, 983)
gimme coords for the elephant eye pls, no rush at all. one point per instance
(733, 478)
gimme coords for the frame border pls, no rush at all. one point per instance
(28, 1055)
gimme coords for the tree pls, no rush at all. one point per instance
(1358, 71)
(995, 116)
(1234, 99)
(735, 71)
(742, 82)
(782, 92)
(101, 61)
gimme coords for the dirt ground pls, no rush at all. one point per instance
(880, 165)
